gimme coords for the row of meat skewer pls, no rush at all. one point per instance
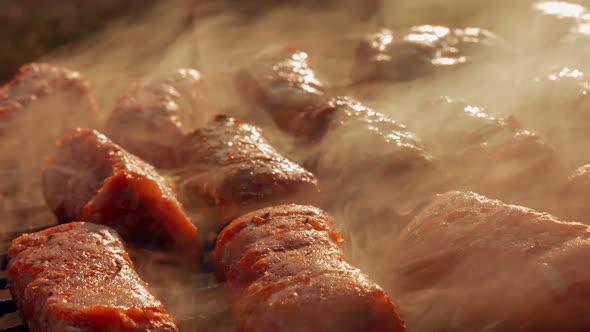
(222, 185)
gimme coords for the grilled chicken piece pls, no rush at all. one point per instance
(470, 263)
(230, 168)
(284, 271)
(92, 179)
(281, 80)
(487, 153)
(78, 277)
(410, 54)
(151, 119)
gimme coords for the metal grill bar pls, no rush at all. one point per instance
(7, 306)
(18, 328)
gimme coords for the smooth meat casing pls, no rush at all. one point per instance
(92, 179)
(78, 277)
(284, 271)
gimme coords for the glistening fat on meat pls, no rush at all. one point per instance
(284, 271)
(470, 263)
(78, 277)
(231, 168)
(92, 179)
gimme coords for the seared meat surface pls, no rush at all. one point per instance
(79, 277)
(467, 262)
(284, 271)
(92, 179)
(230, 168)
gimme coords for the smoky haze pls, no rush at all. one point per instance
(536, 73)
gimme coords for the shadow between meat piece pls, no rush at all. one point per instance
(154, 116)
(228, 168)
(467, 262)
(284, 271)
(92, 179)
(78, 276)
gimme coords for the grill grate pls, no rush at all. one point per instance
(8, 306)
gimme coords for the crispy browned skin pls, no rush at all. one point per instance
(92, 179)
(232, 168)
(281, 80)
(492, 265)
(284, 271)
(340, 130)
(78, 276)
(407, 55)
(151, 119)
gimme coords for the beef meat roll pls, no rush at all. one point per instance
(410, 54)
(230, 168)
(79, 277)
(284, 271)
(92, 179)
(152, 118)
(470, 263)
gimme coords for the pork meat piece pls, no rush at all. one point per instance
(345, 138)
(230, 168)
(92, 179)
(284, 271)
(281, 80)
(79, 277)
(152, 118)
(410, 54)
(470, 263)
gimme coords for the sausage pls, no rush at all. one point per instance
(284, 271)
(92, 179)
(78, 276)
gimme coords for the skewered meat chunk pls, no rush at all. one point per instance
(92, 179)
(281, 80)
(230, 167)
(467, 262)
(153, 118)
(78, 276)
(410, 54)
(341, 128)
(284, 271)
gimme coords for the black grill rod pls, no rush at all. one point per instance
(7, 306)
(18, 328)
